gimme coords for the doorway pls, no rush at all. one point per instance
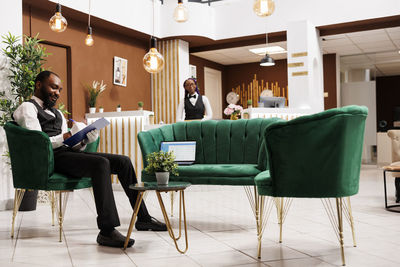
(213, 91)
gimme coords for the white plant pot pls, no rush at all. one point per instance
(118, 109)
(101, 110)
(162, 178)
(92, 109)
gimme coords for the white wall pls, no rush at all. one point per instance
(232, 18)
(363, 93)
(11, 21)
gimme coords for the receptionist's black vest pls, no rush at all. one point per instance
(50, 125)
(194, 112)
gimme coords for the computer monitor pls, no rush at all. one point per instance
(273, 102)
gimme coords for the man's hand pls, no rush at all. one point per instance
(91, 136)
(77, 126)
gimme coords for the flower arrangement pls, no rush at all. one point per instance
(161, 161)
(94, 91)
(233, 110)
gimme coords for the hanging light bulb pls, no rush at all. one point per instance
(153, 61)
(57, 22)
(264, 8)
(180, 12)
(89, 38)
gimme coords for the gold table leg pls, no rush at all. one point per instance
(134, 215)
(167, 222)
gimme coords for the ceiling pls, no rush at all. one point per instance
(375, 49)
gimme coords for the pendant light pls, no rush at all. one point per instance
(57, 22)
(153, 61)
(180, 12)
(267, 61)
(89, 38)
(264, 8)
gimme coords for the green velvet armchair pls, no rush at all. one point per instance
(32, 164)
(315, 156)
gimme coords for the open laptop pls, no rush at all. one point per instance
(184, 151)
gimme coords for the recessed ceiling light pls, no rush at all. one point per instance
(268, 50)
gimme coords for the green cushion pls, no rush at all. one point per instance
(317, 155)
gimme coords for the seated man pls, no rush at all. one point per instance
(39, 114)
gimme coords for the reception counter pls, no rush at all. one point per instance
(120, 137)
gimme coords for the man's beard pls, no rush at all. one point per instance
(47, 102)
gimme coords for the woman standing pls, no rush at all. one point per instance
(194, 106)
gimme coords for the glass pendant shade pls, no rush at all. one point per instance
(264, 8)
(89, 38)
(153, 61)
(57, 22)
(180, 12)
(267, 61)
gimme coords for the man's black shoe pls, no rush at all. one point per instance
(115, 239)
(152, 225)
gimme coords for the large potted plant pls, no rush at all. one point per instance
(25, 62)
(162, 164)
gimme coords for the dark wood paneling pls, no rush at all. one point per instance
(95, 63)
(387, 97)
(329, 66)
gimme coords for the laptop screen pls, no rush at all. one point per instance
(184, 151)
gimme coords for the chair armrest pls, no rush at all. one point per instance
(32, 159)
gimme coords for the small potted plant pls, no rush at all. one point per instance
(119, 108)
(249, 103)
(101, 109)
(233, 111)
(140, 105)
(162, 164)
(93, 93)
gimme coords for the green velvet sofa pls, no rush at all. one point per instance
(228, 152)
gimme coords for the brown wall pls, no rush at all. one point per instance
(329, 66)
(387, 97)
(96, 62)
(244, 73)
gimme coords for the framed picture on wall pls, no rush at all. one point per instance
(120, 71)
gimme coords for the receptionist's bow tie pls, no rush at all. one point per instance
(194, 96)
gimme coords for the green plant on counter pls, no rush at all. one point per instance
(25, 63)
(140, 104)
(161, 161)
(63, 109)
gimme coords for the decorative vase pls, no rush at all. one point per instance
(119, 109)
(162, 178)
(92, 109)
(101, 110)
(234, 117)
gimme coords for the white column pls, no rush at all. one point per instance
(305, 79)
(10, 21)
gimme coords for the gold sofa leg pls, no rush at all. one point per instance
(18, 195)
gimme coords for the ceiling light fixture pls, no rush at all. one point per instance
(57, 22)
(89, 38)
(264, 8)
(267, 61)
(153, 61)
(180, 12)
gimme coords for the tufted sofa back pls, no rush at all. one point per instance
(217, 142)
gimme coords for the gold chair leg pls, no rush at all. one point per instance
(18, 195)
(261, 211)
(339, 207)
(62, 201)
(349, 216)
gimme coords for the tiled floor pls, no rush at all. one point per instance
(221, 233)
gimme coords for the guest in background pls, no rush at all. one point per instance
(194, 106)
